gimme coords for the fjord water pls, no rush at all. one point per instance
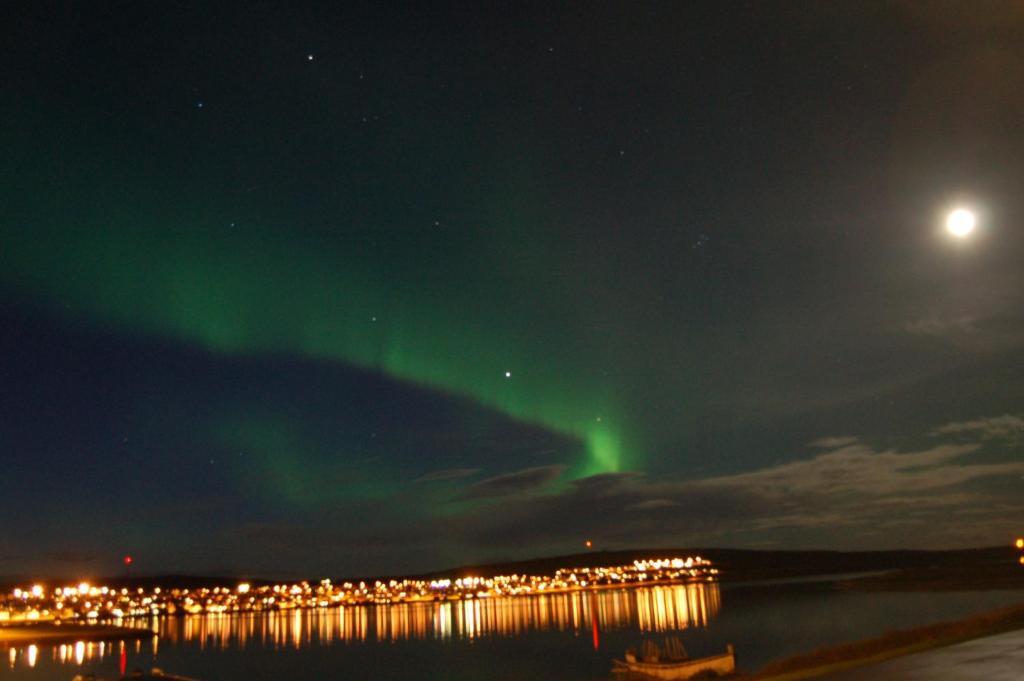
(566, 636)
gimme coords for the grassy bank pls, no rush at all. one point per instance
(891, 644)
(67, 633)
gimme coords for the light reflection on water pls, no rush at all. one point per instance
(76, 653)
(649, 609)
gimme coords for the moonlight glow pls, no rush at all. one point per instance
(960, 223)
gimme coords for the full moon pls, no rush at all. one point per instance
(960, 222)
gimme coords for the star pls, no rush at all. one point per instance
(309, 57)
(508, 374)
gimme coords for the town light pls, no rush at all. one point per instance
(99, 602)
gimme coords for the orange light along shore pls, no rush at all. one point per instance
(91, 603)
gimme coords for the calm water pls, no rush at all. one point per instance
(566, 636)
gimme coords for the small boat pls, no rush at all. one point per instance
(678, 666)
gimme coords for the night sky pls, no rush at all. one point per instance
(302, 289)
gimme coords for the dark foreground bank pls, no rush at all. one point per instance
(891, 644)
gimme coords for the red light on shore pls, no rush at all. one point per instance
(588, 544)
(127, 560)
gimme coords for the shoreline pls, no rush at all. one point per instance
(21, 634)
(811, 664)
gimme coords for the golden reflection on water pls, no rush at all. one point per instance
(649, 609)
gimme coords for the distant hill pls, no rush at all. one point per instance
(736, 565)
(744, 565)
(146, 581)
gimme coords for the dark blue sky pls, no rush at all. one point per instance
(312, 289)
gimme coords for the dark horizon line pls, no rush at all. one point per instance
(741, 561)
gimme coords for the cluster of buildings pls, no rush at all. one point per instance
(41, 602)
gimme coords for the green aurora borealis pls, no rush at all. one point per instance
(261, 294)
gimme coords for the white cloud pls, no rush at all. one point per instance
(1005, 426)
(653, 504)
(840, 495)
(834, 442)
(517, 482)
(857, 469)
(448, 474)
